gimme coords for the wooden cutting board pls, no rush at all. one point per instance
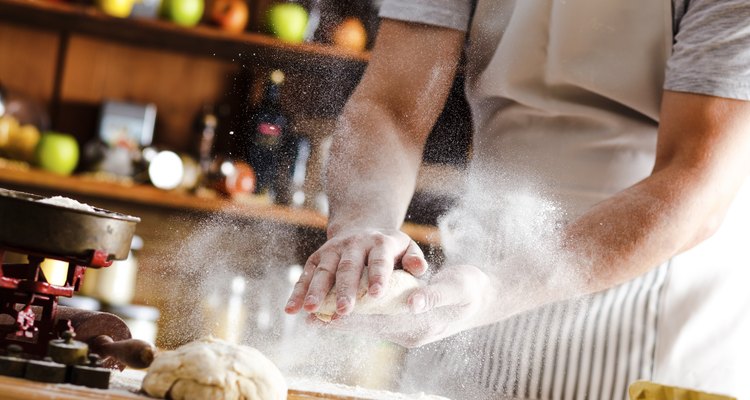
(21, 389)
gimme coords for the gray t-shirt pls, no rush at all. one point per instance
(711, 52)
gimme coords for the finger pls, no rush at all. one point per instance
(379, 265)
(348, 275)
(443, 292)
(413, 260)
(322, 281)
(294, 305)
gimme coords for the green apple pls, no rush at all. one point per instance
(288, 21)
(57, 152)
(183, 12)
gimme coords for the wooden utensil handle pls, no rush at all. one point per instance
(134, 353)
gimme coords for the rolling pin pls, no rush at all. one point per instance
(108, 336)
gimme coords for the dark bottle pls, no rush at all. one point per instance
(206, 132)
(268, 132)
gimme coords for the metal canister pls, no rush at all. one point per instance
(12, 364)
(46, 371)
(92, 375)
(68, 351)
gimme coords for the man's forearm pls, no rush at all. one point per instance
(640, 228)
(378, 142)
(702, 160)
(372, 169)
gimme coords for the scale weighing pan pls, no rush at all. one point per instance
(91, 238)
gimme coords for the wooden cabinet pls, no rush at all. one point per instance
(70, 58)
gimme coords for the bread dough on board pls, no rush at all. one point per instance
(393, 302)
(212, 369)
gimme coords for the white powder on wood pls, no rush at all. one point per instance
(354, 392)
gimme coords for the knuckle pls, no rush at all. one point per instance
(347, 265)
(342, 288)
(307, 271)
(298, 295)
(350, 241)
(380, 239)
(432, 298)
(322, 274)
(313, 259)
(376, 278)
(378, 262)
(299, 287)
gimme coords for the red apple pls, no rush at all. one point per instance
(230, 15)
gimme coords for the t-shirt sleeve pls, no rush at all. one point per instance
(711, 52)
(453, 14)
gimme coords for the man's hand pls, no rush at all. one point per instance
(342, 260)
(458, 298)
(372, 168)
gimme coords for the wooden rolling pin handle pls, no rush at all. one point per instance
(133, 353)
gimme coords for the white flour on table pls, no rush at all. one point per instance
(130, 381)
(335, 389)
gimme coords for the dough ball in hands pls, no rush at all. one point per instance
(393, 302)
(212, 369)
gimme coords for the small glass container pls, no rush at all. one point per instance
(141, 320)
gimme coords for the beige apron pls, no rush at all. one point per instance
(565, 96)
(571, 92)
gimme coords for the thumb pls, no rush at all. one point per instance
(413, 260)
(440, 293)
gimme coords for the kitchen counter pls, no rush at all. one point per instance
(123, 388)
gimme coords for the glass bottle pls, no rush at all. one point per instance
(269, 125)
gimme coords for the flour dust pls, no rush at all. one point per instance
(231, 279)
(509, 226)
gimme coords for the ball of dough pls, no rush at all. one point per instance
(212, 369)
(392, 302)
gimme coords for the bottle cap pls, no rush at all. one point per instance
(277, 76)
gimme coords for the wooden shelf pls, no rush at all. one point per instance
(203, 41)
(199, 40)
(251, 207)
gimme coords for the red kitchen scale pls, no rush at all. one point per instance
(40, 340)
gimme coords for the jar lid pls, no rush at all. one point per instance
(80, 302)
(134, 311)
(136, 243)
